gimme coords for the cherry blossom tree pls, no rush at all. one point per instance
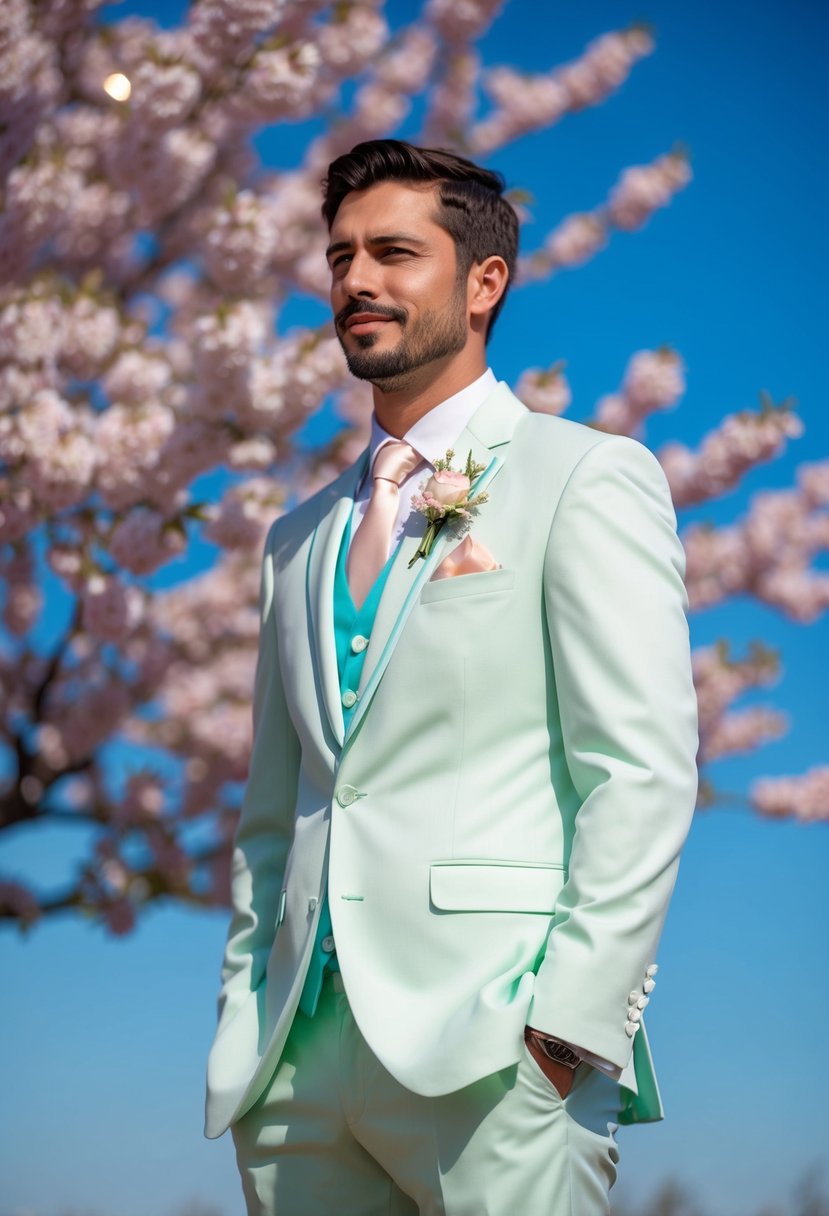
(151, 401)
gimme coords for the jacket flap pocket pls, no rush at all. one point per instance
(493, 886)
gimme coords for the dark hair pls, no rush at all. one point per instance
(471, 208)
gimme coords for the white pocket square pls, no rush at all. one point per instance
(469, 557)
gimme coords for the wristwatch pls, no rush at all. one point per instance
(554, 1049)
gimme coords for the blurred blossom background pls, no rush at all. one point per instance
(170, 382)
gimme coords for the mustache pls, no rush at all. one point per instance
(355, 306)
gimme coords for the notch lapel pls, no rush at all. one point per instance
(489, 429)
(337, 503)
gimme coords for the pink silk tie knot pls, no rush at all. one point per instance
(370, 546)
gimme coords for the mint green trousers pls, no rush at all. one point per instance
(334, 1134)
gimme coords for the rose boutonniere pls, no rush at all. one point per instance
(445, 497)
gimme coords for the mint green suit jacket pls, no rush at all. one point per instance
(501, 822)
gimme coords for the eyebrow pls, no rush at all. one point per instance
(388, 238)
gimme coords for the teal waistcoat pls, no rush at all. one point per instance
(352, 629)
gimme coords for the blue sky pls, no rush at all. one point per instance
(103, 1052)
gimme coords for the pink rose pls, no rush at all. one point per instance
(447, 488)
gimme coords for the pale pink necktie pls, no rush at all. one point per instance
(370, 546)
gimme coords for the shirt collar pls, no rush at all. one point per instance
(438, 429)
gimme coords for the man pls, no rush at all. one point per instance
(473, 765)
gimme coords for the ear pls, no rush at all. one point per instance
(486, 284)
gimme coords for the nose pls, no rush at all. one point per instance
(360, 278)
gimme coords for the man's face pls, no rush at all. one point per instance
(397, 302)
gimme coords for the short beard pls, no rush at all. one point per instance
(437, 336)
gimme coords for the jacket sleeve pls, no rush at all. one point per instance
(616, 605)
(265, 828)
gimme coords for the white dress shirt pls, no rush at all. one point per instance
(430, 436)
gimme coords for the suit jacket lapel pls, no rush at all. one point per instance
(336, 504)
(489, 429)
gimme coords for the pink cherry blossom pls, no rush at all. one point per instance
(96, 230)
(130, 441)
(742, 441)
(805, 797)
(137, 375)
(605, 64)
(580, 236)
(19, 901)
(768, 553)
(244, 515)
(453, 97)
(224, 29)
(118, 915)
(654, 380)
(239, 242)
(143, 540)
(23, 596)
(61, 456)
(742, 731)
(92, 332)
(31, 330)
(461, 20)
(17, 510)
(252, 455)
(642, 189)
(81, 725)
(36, 196)
(575, 240)
(406, 64)
(67, 561)
(111, 610)
(282, 82)
(545, 392)
(814, 482)
(356, 33)
(161, 172)
(164, 94)
(527, 102)
(192, 447)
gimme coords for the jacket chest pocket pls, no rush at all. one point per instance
(461, 586)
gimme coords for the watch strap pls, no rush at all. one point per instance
(554, 1049)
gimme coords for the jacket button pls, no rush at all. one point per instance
(651, 971)
(649, 985)
(346, 795)
(349, 698)
(643, 1002)
(631, 1028)
(359, 643)
(327, 944)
